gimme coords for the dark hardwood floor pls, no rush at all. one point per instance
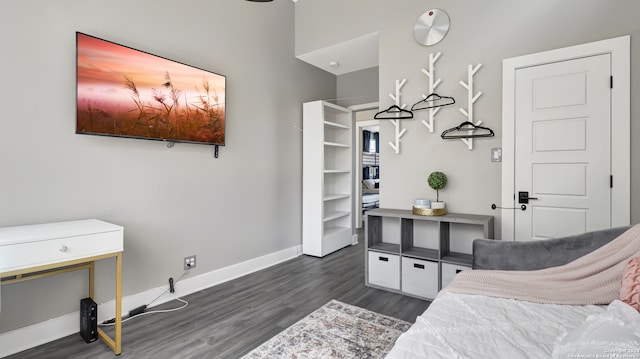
(230, 319)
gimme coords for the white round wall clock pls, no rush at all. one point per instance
(431, 27)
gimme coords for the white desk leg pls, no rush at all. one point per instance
(116, 343)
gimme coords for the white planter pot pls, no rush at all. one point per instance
(436, 205)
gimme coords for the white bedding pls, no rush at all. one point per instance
(368, 198)
(475, 326)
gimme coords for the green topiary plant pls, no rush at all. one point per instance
(437, 180)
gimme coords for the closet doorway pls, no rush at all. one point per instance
(366, 163)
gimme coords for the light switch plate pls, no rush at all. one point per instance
(496, 155)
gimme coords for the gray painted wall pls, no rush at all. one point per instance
(481, 32)
(171, 202)
(358, 87)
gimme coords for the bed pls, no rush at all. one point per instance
(370, 198)
(370, 194)
(472, 325)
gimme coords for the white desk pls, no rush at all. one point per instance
(41, 250)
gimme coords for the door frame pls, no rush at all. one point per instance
(359, 127)
(356, 177)
(620, 50)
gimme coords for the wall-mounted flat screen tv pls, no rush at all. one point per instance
(129, 93)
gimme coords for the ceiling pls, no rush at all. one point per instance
(352, 55)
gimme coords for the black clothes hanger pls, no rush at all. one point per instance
(431, 102)
(467, 126)
(393, 113)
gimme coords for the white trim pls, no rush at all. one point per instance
(356, 206)
(364, 106)
(360, 125)
(40, 333)
(620, 50)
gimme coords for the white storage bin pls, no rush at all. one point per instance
(420, 277)
(449, 271)
(384, 270)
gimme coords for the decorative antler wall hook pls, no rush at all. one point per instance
(398, 131)
(471, 99)
(433, 83)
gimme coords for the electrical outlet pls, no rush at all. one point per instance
(189, 262)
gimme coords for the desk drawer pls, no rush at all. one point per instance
(384, 270)
(38, 253)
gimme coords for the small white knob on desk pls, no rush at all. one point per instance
(63, 248)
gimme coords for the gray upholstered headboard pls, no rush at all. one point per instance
(531, 255)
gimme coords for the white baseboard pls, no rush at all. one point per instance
(40, 333)
(33, 335)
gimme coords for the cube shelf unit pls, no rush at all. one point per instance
(326, 178)
(419, 255)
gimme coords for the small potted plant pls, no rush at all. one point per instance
(437, 180)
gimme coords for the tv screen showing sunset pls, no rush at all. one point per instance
(130, 93)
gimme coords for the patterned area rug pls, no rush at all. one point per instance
(336, 330)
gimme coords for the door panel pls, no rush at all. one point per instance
(559, 91)
(552, 135)
(563, 179)
(563, 146)
(555, 222)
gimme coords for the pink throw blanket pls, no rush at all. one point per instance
(594, 278)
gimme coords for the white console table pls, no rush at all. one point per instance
(41, 250)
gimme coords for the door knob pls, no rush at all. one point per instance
(523, 197)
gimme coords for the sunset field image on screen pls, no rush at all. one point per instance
(125, 92)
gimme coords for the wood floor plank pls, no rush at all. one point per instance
(230, 319)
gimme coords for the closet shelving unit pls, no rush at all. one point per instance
(326, 178)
